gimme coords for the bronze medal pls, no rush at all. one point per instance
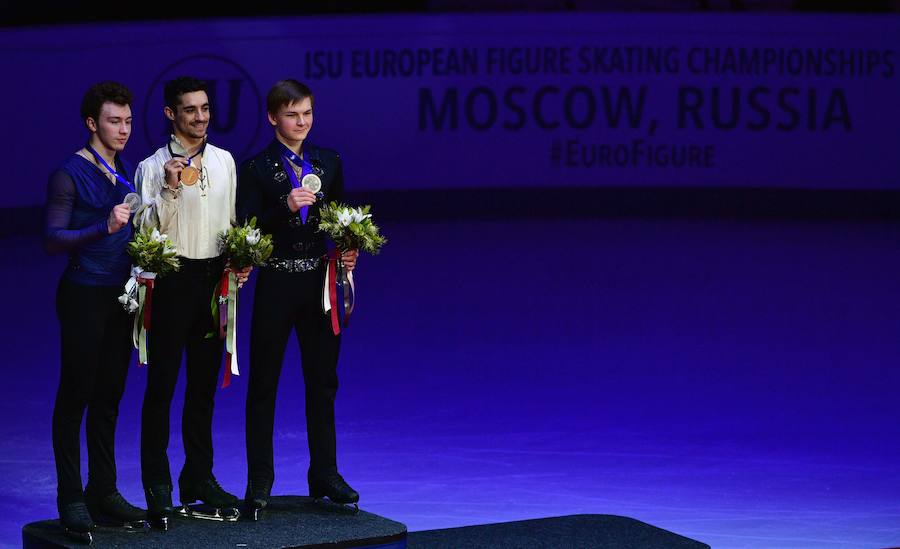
(190, 175)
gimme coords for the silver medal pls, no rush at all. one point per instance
(133, 200)
(312, 182)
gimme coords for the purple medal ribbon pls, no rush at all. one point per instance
(288, 156)
(111, 170)
(189, 158)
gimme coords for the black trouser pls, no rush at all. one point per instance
(96, 348)
(284, 302)
(181, 319)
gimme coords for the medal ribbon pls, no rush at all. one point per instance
(289, 157)
(111, 170)
(339, 292)
(224, 307)
(189, 158)
(297, 160)
(139, 335)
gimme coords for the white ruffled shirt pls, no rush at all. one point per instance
(192, 216)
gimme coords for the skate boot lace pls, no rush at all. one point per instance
(80, 513)
(216, 488)
(76, 513)
(214, 484)
(116, 499)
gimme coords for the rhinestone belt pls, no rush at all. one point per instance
(293, 265)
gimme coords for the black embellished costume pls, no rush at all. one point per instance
(288, 298)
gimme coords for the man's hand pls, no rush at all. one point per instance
(242, 275)
(173, 171)
(300, 197)
(348, 258)
(118, 218)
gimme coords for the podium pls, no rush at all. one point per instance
(288, 521)
(293, 521)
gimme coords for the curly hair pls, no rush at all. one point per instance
(100, 93)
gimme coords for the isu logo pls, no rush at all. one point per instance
(235, 103)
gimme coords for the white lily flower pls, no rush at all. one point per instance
(130, 304)
(345, 218)
(253, 237)
(358, 216)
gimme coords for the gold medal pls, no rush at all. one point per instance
(190, 175)
(312, 182)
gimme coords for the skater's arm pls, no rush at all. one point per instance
(58, 237)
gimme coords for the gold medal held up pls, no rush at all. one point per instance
(312, 182)
(190, 175)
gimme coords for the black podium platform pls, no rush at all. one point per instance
(290, 521)
(582, 531)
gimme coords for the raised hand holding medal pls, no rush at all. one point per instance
(189, 174)
(300, 173)
(173, 169)
(132, 199)
(299, 199)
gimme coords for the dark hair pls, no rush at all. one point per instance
(285, 92)
(100, 93)
(176, 88)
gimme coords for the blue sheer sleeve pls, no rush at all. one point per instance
(58, 237)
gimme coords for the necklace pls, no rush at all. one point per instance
(204, 182)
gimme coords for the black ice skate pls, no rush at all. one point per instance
(76, 521)
(331, 485)
(112, 511)
(215, 503)
(159, 506)
(256, 498)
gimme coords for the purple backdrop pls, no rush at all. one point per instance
(488, 100)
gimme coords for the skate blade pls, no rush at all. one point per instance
(83, 537)
(350, 508)
(203, 512)
(160, 523)
(253, 514)
(130, 525)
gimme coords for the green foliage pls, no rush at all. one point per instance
(153, 252)
(351, 228)
(245, 246)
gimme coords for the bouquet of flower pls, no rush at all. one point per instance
(351, 228)
(153, 251)
(245, 246)
(153, 255)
